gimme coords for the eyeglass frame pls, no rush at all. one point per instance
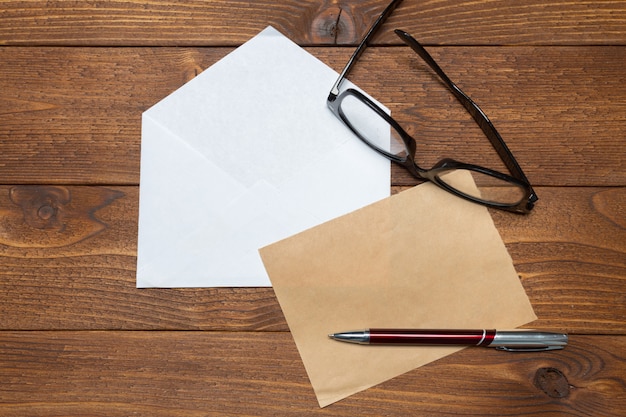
(525, 204)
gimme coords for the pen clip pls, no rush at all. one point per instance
(528, 349)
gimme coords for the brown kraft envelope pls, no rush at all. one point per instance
(422, 258)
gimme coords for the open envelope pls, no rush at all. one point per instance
(243, 155)
(423, 258)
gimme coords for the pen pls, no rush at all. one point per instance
(510, 340)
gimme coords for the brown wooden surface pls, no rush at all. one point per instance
(252, 374)
(77, 337)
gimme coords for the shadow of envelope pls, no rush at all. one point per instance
(420, 259)
(241, 156)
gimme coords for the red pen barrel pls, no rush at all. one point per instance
(432, 337)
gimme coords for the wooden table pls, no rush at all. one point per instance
(77, 337)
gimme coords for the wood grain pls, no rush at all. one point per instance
(259, 374)
(77, 337)
(211, 23)
(570, 254)
(73, 115)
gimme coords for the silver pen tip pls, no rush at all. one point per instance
(359, 336)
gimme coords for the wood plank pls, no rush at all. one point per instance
(73, 115)
(68, 259)
(211, 374)
(210, 23)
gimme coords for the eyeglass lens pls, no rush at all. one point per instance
(372, 128)
(488, 188)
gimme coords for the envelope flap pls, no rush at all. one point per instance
(257, 116)
(256, 112)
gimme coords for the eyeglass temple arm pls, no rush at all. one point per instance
(334, 92)
(479, 116)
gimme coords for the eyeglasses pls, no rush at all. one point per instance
(364, 117)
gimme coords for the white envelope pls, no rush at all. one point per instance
(243, 155)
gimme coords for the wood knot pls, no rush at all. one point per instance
(552, 382)
(43, 207)
(46, 212)
(333, 26)
(50, 216)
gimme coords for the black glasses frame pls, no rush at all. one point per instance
(517, 177)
